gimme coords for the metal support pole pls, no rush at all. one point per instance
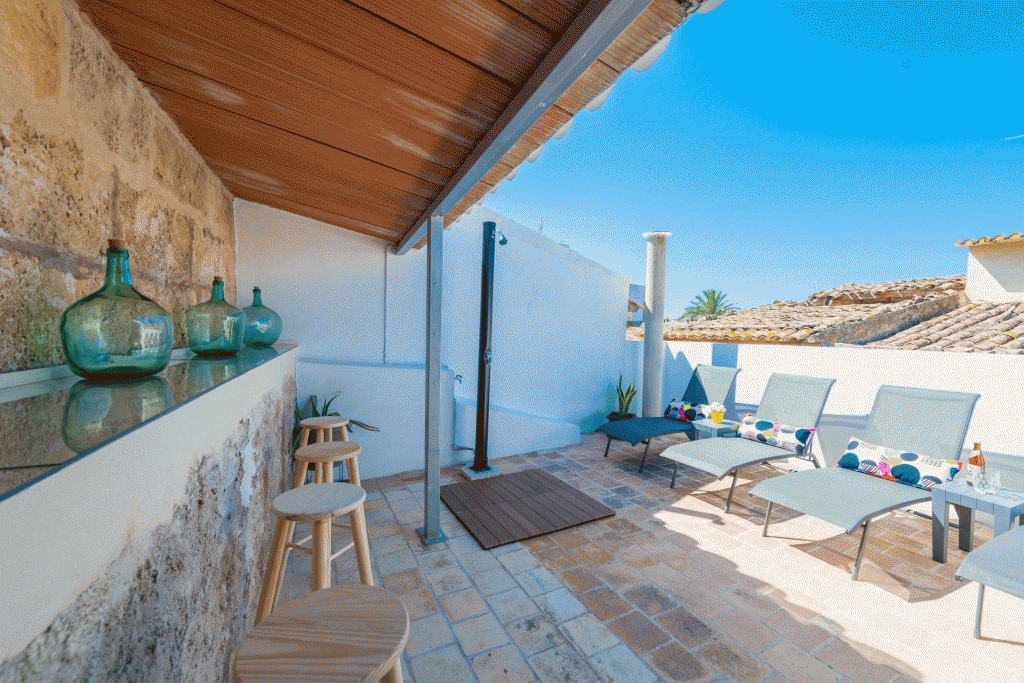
(654, 323)
(483, 395)
(977, 616)
(431, 532)
(860, 550)
(728, 501)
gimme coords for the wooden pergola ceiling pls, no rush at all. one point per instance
(366, 114)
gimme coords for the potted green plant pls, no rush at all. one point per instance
(626, 397)
(321, 411)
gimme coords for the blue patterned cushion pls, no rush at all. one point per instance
(675, 411)
(895, 465)
(775, 434)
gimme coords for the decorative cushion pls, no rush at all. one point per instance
(675, 411)
(775, 433)
(906, 468)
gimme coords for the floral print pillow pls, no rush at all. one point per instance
(904, 467)
(775, 434)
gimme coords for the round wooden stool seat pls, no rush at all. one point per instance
(348, 633)
(328, 451)
(325, 422)
(318, 501)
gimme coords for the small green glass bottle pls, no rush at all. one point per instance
(262, 325)
(215, 327)
(116, 332)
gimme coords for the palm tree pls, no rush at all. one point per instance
(710, 302)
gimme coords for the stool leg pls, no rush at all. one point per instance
(304, 440)
(321, 554)
(275, 569)
(395, 675)
(362, 545)
(320, 478)
(353, 471)
(344, 432)
(300, 474)
(329, 434)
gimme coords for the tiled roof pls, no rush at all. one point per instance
(785, 322)
(998, 239)
(977, 327)
(887, 292)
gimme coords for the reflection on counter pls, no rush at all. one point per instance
(94, 413)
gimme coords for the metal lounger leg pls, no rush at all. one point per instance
(675, 470)
(767, 516)
(860, 550)
(977, 617)
(728, 501)
(609, 445)
(646, 448)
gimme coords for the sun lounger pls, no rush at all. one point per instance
(997, 564)
(794, 400)
(708, 384)
(928, 422)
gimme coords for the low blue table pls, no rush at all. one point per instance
(1004, 505)
(705, 426)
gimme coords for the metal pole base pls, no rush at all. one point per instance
(977, 617)
(439, 538)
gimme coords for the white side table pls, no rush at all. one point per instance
(1004, 505)
(705, 426)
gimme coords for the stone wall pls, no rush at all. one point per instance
(175, 603)
(87, 154)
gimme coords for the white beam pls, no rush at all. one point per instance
(596, 27)
(431, 530)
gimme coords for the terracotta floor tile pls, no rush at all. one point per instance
(503, 665)
(674, 663)
(562, 664)
(798, 666)
(649, 599)
(404, 582)
(535, 634)
(638, 632)
(419, 603)
(569, 538)
(745, 631)
(591, 555)
(462, 605)
(581, 579)
(854, 665)
(805, 635)
(685, 627)
(618, 575)
(604, 603)
(556, 559)
(735, 664)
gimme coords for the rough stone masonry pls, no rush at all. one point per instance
(85, 154)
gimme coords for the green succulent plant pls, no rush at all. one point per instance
(322, 410)
(625, 397)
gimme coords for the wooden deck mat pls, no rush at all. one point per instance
(513, 507)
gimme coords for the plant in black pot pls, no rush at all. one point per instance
(626, 397)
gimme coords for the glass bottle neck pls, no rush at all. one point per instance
(257, 298)
(117, 268)
(218, 291)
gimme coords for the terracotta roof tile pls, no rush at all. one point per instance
(887, 292)
(998, 239)
(976, 327)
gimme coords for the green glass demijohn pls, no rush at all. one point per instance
(96, 412)
(262, 325)
(116, 332)
(215, 327)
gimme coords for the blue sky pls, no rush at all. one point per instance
(796, 146)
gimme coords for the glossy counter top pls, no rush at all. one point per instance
(47, 425)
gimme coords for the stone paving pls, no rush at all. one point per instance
(672, 589)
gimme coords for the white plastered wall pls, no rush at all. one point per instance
(358, 313)
(995, 272)
(858, 373)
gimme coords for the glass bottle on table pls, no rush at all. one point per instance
(975, 465)
(215, 327)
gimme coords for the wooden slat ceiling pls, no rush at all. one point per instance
(356, 113)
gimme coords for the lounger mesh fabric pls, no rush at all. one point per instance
(998, 564)
(794, 399)
(925, 421)
(708, 384)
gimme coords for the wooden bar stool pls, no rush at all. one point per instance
(347, 633)
(323, 455)
(320, 429)
(319, 504)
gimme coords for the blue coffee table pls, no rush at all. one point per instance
(1005, 506)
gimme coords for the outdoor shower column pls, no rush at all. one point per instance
(654, 322)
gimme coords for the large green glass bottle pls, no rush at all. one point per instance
(262, 325)
(116, 332)
(215, 327)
